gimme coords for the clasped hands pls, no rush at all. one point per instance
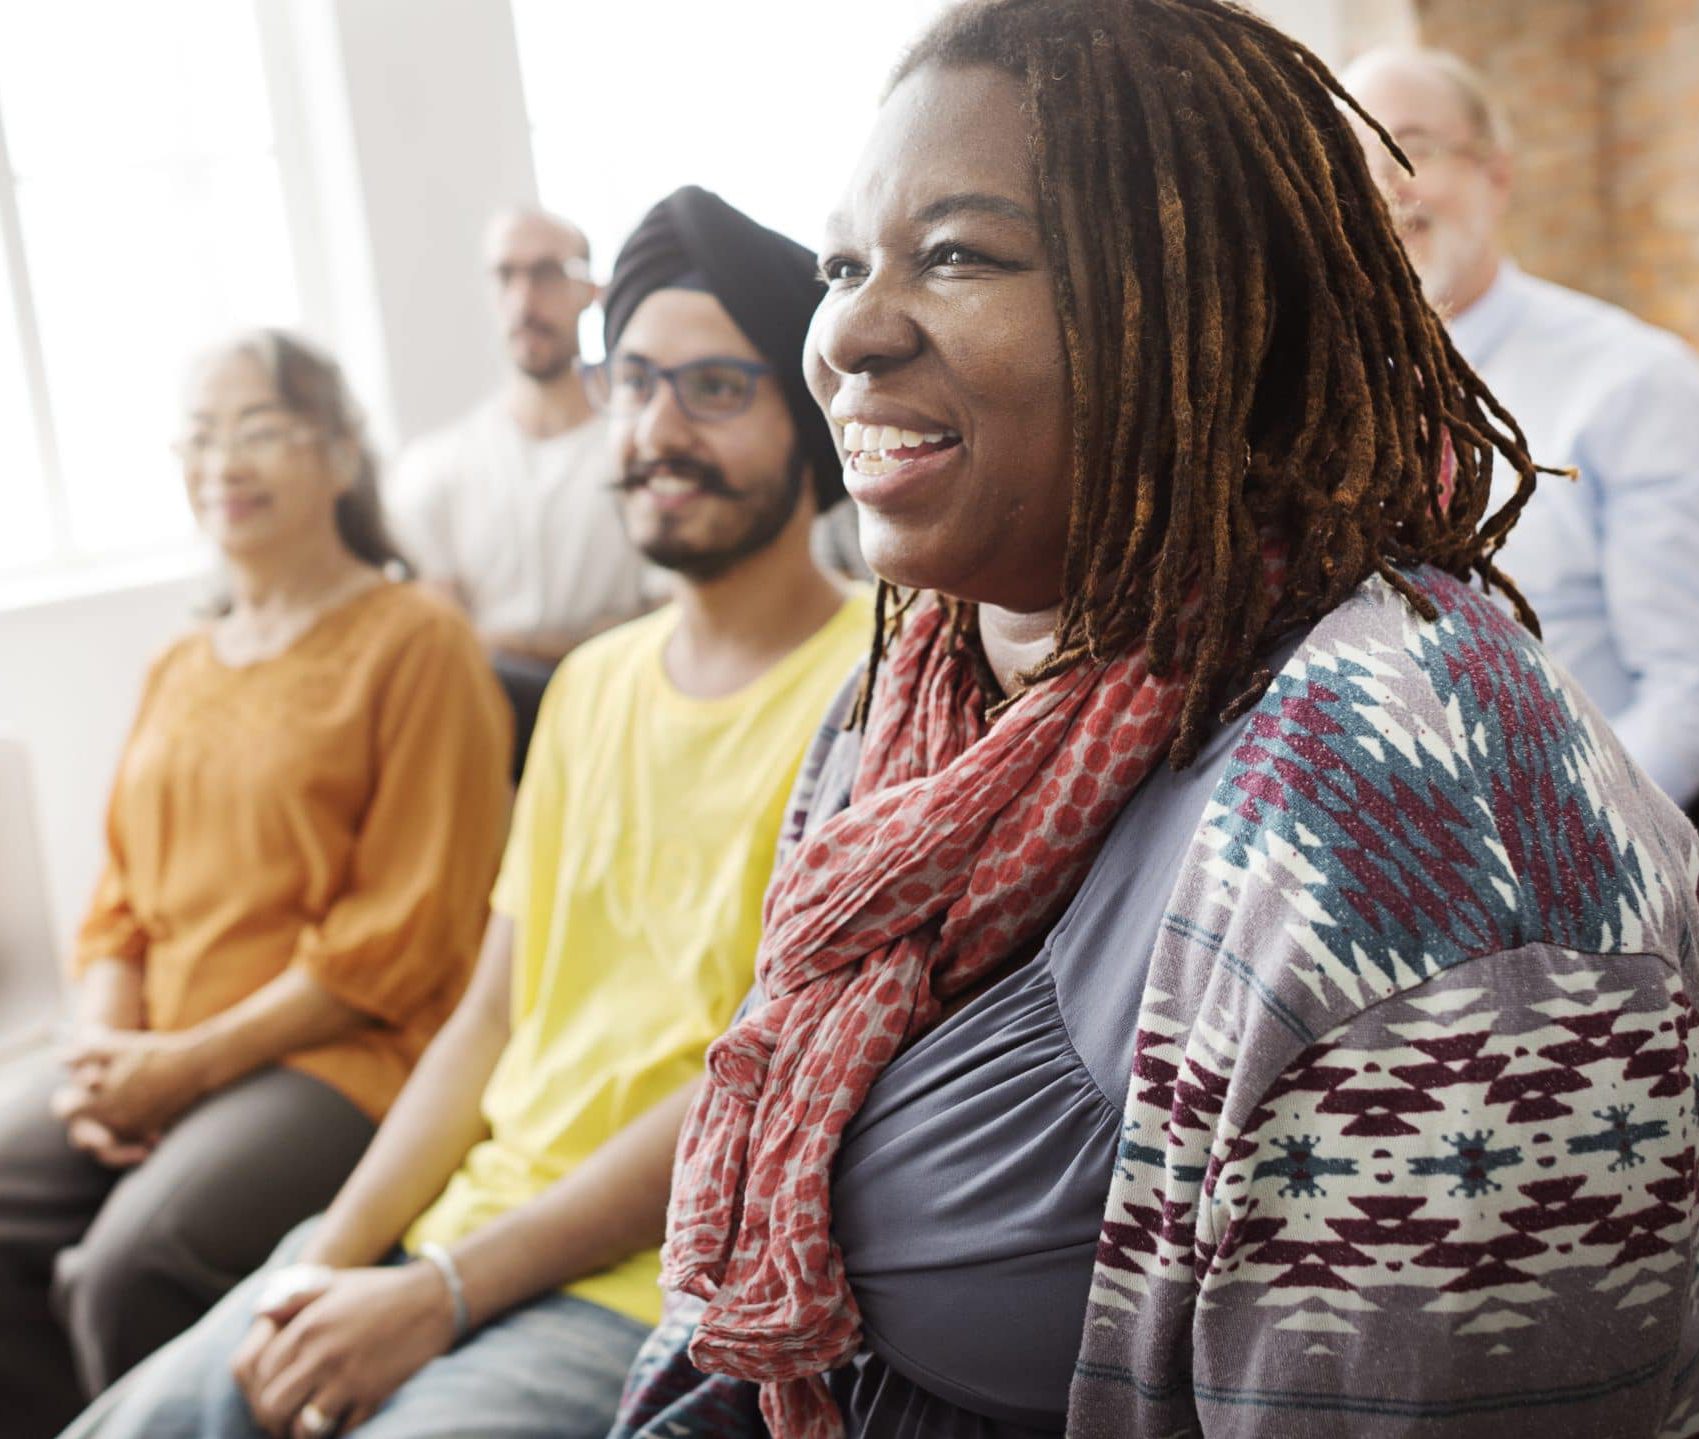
(124, 1089)
(328, 1346)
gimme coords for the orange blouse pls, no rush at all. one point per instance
(339, 806)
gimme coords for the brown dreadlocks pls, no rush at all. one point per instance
(1249, 353)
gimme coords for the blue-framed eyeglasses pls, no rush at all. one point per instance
(717, 388)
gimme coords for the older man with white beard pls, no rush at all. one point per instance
(1610, 562)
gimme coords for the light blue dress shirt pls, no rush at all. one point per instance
(1610, 562)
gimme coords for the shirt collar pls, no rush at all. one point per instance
(1480, 329)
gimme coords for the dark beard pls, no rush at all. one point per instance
(547, 374)
(765, 520)
(552, 369)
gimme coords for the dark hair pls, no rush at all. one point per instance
(1248, 351)
(311, 385)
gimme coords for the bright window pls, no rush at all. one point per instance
(144, 216)
(757, 101)
(26, 530)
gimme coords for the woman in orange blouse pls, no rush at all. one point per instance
(300, 842)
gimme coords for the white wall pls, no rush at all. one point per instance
(401, 129)
(70, 672)
(441, 141)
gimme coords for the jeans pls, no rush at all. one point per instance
(550, 1369)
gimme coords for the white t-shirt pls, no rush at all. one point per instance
(527, 530)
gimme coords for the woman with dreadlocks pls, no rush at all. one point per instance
(1228, 982)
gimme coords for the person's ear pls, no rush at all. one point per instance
(588, 293)
(1501, 171)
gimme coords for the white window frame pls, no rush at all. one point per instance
(310, 141)
(32, 360)
(67, 569)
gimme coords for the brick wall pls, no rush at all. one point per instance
(1604, 99)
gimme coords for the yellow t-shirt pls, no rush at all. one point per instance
(641, 847)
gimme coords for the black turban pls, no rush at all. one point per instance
(765, 281)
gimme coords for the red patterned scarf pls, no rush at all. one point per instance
(960, 844)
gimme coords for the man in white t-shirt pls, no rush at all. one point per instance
(510, 510)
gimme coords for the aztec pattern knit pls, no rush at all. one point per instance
(1409, 1142)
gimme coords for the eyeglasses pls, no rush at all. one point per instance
(543, 273)
(717, 388)
(261, 444)
(1421, 148)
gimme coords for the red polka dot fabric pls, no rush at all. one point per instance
(961, 843)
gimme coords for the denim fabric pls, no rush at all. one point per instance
(551, 1369)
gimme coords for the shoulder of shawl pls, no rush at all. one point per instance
(1408, 795)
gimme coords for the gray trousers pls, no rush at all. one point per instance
(99, 1267)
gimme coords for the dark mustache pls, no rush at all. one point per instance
(710, 477)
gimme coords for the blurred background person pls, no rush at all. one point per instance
(1609, 563)
(300, 842)
(510, 510)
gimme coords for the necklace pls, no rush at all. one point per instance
(243, 638)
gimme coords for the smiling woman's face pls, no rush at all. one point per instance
(940, 321)
(260, 477)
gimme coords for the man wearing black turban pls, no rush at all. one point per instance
(694, 240)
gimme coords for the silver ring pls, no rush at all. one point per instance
(315, 1421)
